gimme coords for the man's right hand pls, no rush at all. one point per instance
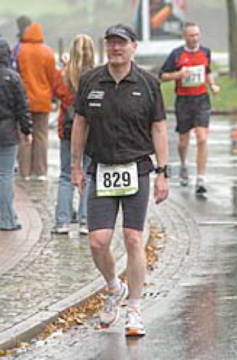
(184, 72)
(78, 179)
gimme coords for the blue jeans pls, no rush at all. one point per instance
(8, 218)
(66, 189)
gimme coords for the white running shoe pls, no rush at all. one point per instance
(83, 229)
(60, 229)
(110, 312)
(133, 324)
(201, 191)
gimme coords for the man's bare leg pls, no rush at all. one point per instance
(183, 147)
(136, 262)
(202, 151)
(117, 291)
(100, 247)
(182, 150)
(201, 134)
(136, 272)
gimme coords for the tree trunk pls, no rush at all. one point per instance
(232, 37)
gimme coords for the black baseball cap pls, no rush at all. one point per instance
(123, 31)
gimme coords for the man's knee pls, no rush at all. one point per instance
(201, 141)
(133, 240)
(183, 145)
(183, 141)
(100, 240)
(201, 135)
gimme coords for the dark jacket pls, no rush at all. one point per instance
(13, 103)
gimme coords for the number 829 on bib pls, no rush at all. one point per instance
(116, 180)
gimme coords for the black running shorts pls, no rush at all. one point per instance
(192, 111)
(102, 211)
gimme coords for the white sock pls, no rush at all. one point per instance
(134, 303)
(200, 178)
(114, 283)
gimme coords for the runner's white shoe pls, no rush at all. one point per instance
(201, 190)
(110, 312)
(133, 324)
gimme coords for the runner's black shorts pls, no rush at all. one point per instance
(192, 111)
(102, 211)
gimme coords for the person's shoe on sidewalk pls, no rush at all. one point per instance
(83, 229)
(183, 176)
(60, 229)
(41, 177)
(201, 190)
(16, 227)
(110, 312)
(133, 323)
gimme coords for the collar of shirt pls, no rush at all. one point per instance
(192, 50)
(131, 77)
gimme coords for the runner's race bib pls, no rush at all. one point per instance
(196, 76)
(116, 180)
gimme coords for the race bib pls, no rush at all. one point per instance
(196, 76)
(116, 180)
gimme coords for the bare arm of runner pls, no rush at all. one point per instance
(211, 82)
(175, 75)
(160, 142)
(78, 141)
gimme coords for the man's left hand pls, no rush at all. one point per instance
(215, 88)
(78, 179)
(161, 188)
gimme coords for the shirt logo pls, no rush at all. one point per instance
(96, 95)
(93, 104)
(136, 93)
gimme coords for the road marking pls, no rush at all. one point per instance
(217, 222)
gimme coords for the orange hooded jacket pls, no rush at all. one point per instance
(37, 68)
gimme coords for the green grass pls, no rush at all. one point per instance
(225, 100)
(167, 89)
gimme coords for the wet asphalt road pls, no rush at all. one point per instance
(197, 316)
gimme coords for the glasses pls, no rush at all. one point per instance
(117, 42)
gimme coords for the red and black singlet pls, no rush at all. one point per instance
(198, 62)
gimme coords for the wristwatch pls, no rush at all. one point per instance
(166, 170)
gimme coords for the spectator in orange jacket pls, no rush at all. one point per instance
(37, 68)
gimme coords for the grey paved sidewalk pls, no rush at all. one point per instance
(15, 245)
(40, 272)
